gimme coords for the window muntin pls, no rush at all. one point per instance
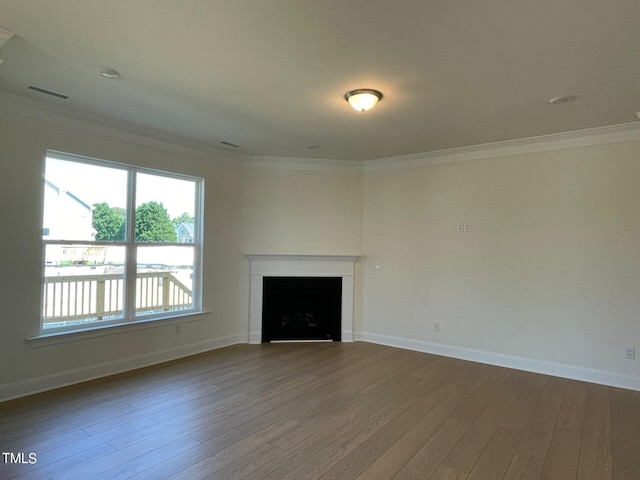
(121, 243)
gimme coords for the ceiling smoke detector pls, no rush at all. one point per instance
(109, 73)
(563, 99)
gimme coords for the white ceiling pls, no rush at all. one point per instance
(270, 75)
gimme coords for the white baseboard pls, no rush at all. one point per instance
(91, 372)
(255, 338)
(69, 377)
(573, 372)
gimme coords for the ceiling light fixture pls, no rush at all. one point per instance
(363, 99)
(109, 73)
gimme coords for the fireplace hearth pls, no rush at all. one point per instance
(301, 309)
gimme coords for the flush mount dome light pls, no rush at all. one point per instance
(363, 99)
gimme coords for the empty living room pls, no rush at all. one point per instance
(355, 240)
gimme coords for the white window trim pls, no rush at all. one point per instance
(130, 321)
(66, 336)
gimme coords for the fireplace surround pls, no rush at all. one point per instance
(271, 265)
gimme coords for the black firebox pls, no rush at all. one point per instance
(301, 308)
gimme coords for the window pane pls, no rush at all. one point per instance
(100, 216)
(164, 279)
(84, 202)
(83, 284)
(165, 209)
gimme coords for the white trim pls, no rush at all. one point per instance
(122, 131)
(274, 265)
(301, 164)
(626, 132)
(130, 244)
(602, 377)
(113, 129)
(91, 372)
(65, 336)
(5, 36)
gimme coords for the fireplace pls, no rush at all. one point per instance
(301, 266)
(301, 308)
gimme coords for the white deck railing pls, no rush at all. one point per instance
(100, 296)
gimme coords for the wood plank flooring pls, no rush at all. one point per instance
(324, 411)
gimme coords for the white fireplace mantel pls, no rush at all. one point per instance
(270, 265)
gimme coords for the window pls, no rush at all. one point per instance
(121, 243)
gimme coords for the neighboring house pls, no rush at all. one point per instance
(66, 217)
(184, 231)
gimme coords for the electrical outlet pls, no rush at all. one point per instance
(460, 227)
(630, 353)
(467, 227)
(436, 326)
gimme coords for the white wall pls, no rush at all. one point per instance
(548, 277)
(301, 212)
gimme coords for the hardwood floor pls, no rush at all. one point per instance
(326, 411)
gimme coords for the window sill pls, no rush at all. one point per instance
(55, 338)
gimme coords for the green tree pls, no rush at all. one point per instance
(108, 222)
(153, 223)
(182, 218)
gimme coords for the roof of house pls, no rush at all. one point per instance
(188, 227)
(58, 190)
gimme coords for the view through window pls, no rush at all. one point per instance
(120, 243)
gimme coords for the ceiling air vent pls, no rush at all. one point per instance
(229, 144)
(47, 92)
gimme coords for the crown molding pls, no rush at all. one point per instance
(112, 129)
(15, 104)
(626, 132)
(61, 115)
(301, 164)
(5, 35)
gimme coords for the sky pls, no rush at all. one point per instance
(94, 184)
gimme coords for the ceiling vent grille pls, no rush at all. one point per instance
(47, 92)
